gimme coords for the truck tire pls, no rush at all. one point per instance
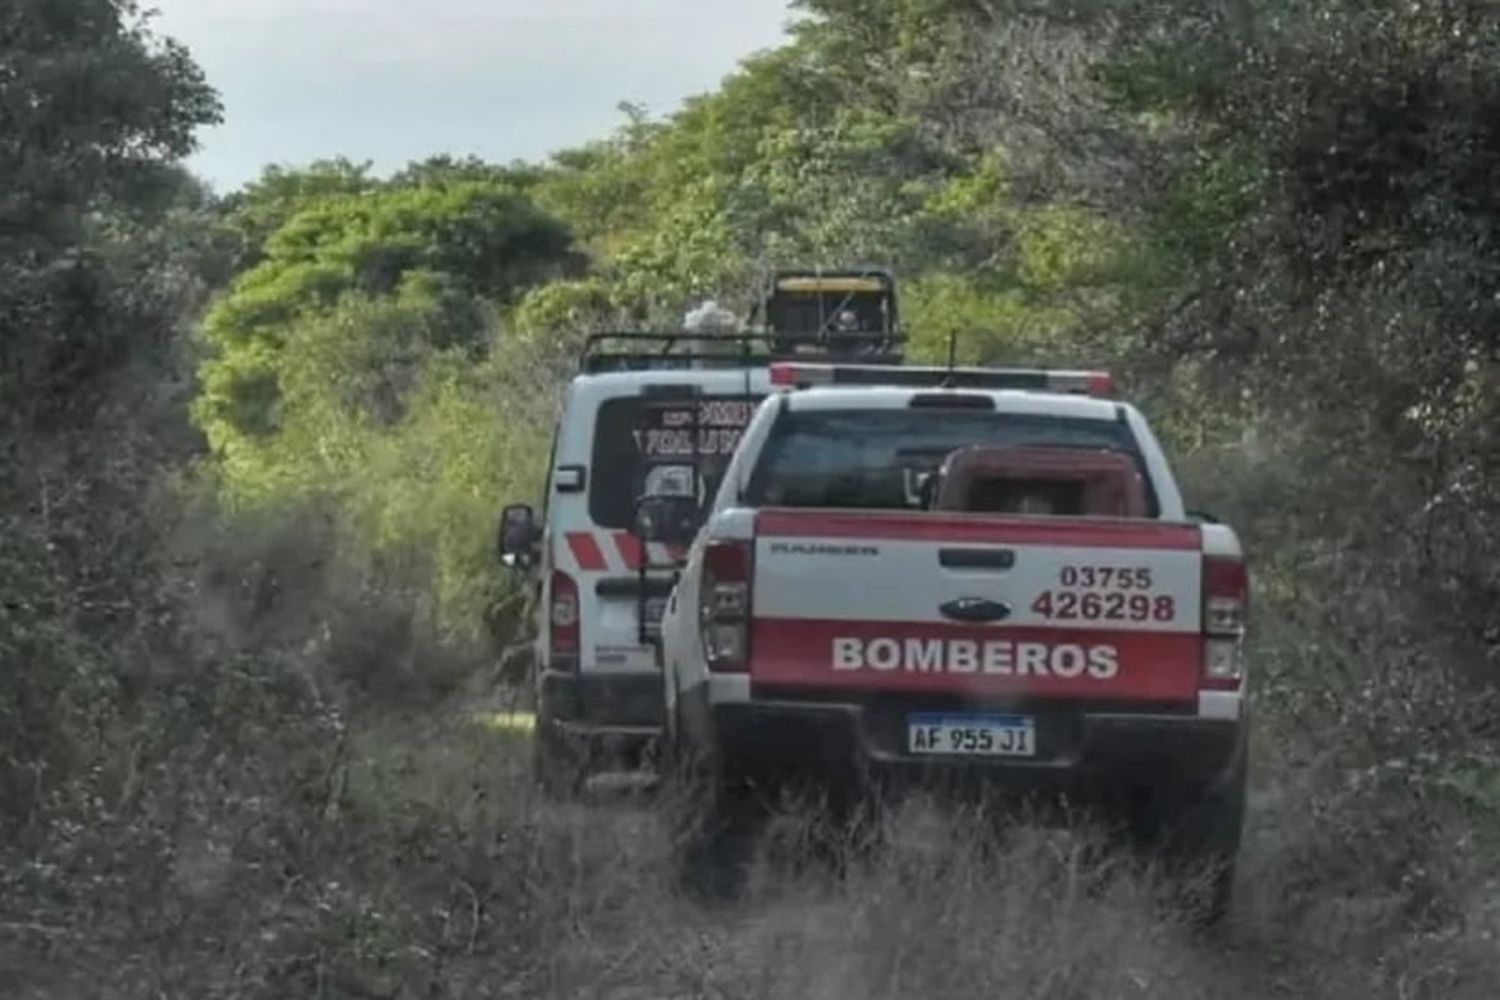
(1195, 833)
(717, 841)
(716, 821)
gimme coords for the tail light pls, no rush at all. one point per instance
(724, 606)
(562, 618)
(1226, 601)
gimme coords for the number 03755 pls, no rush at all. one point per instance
(1105, 577)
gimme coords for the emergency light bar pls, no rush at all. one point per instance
(794, 375)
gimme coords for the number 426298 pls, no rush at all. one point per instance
(1065, 605)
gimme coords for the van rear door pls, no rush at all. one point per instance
(655, 438)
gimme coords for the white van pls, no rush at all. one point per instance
(622, 435)
(645, 418)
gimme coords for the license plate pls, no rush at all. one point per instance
(972, 735)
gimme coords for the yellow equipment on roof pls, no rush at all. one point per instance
(837, 284)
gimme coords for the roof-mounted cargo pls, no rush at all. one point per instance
(842, 313)
(802, 313)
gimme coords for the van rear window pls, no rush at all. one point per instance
(641, 441)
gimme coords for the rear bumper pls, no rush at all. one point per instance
(1093, 753)
(618, 707)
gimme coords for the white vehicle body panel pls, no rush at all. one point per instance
(785, 589)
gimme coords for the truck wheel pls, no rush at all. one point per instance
(717, 842)
(1196, 833)
(715, 821)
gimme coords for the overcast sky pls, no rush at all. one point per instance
(396, 80)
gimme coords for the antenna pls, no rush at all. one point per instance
(822, 317)
(745, 363)
(948, 380)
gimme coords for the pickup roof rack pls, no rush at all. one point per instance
(800, 375)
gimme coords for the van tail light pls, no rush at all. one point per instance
(1226, 606)
(724, 606)
(562, 619)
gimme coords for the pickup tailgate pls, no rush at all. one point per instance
(984, 605)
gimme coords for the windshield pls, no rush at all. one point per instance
(879, 458)
(649, 445)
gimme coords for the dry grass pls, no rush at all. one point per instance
(942, 908)
(307, 798)
(426, 866)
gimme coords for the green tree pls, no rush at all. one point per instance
(94, 110)
(463, 249)
(106, 250)
(357, 369)
(264, 205)
(437, 171)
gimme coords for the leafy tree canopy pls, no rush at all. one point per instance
(94, 112)
(462, 248)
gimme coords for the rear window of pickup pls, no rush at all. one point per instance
(877, 459)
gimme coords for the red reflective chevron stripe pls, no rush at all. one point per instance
(629, 548)
(597, 552)
(586, 551)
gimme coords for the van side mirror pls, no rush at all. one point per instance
(670, 518)
(518, 536)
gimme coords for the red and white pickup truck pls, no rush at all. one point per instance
(987, 573)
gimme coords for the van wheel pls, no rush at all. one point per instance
(556, 766)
